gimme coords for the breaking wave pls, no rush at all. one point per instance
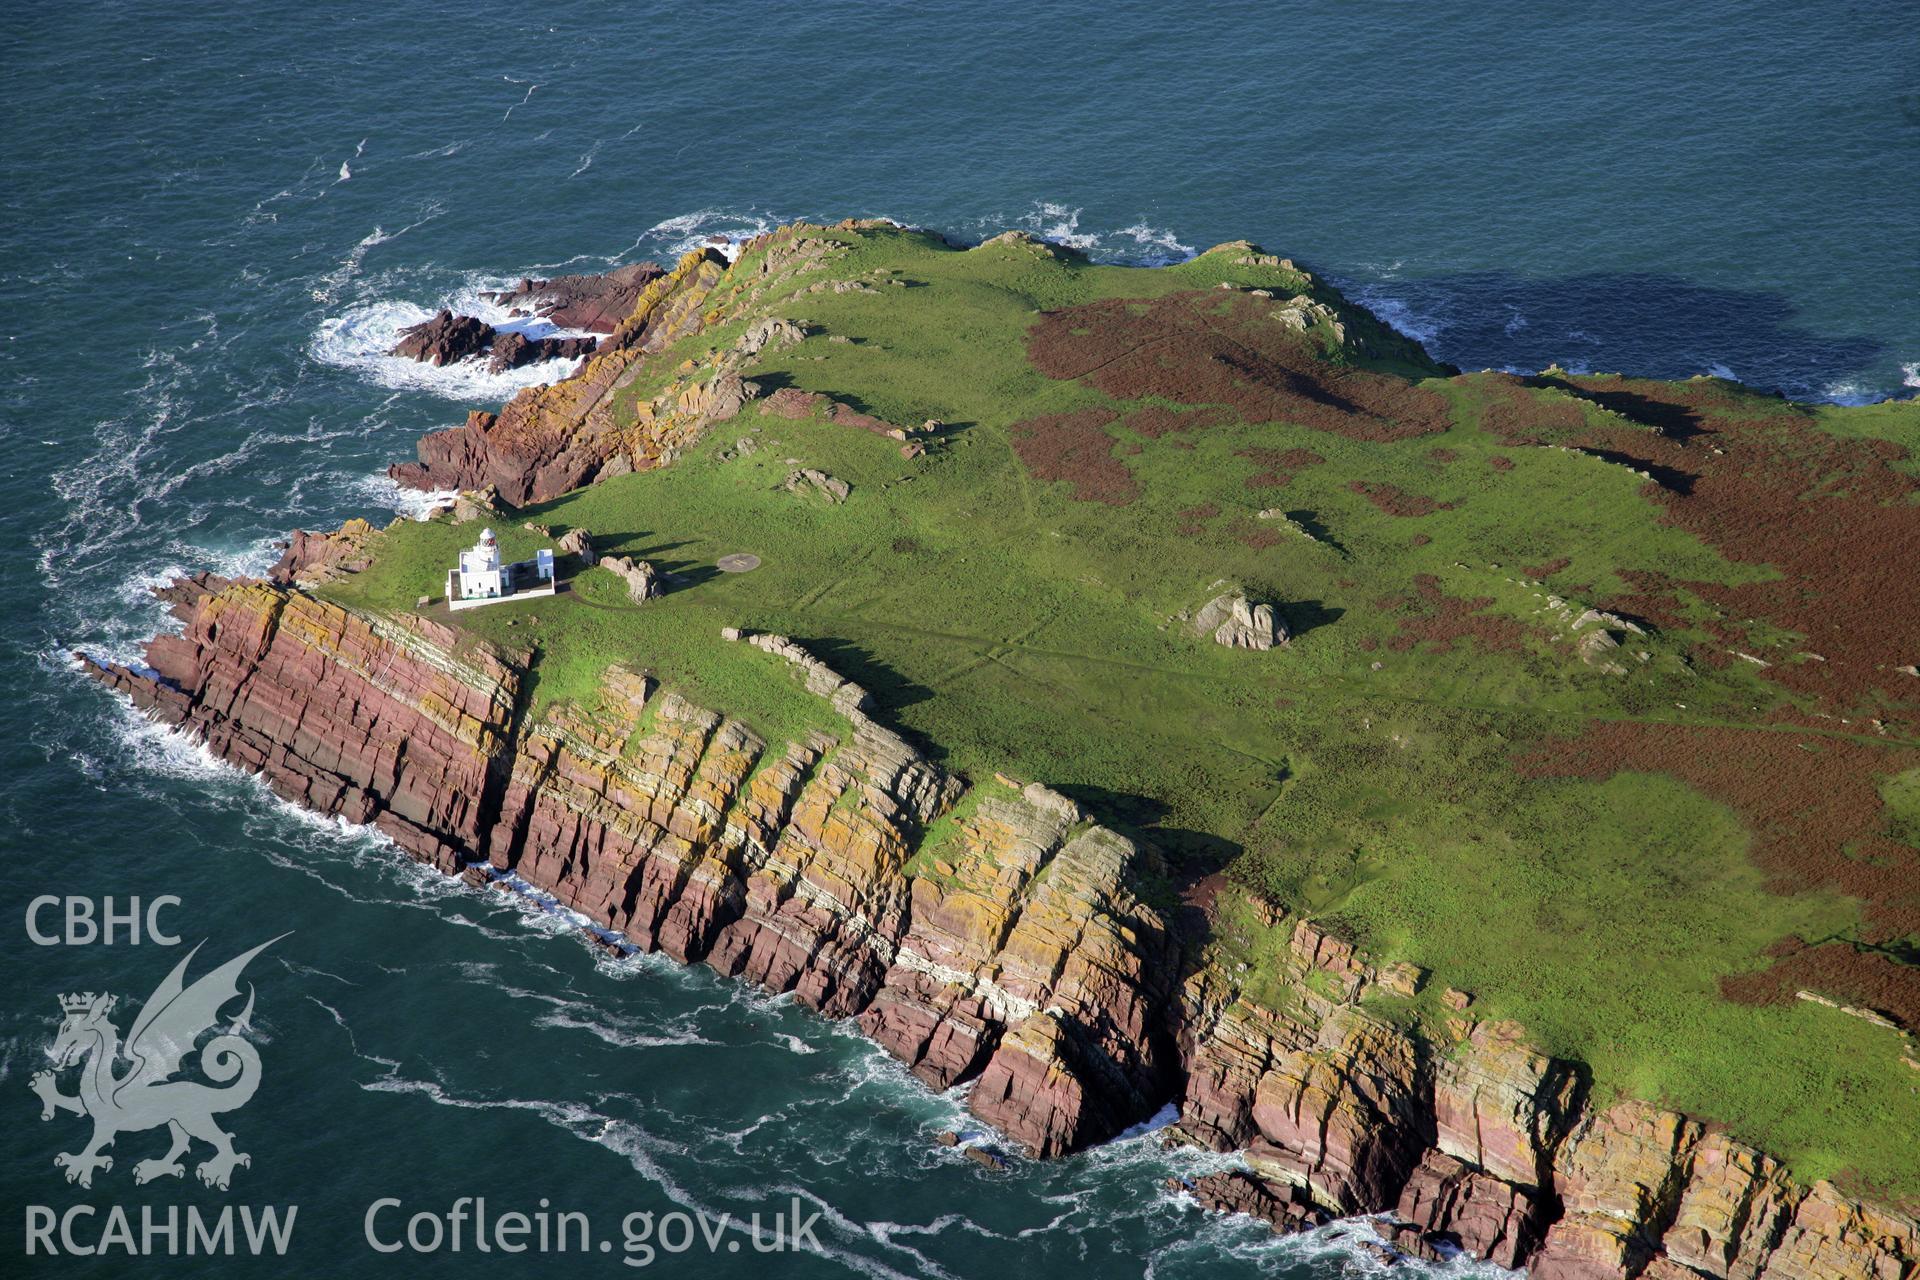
(362, 337)
(1138, 244)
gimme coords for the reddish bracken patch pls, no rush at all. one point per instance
(1817, 823)
(1156, 420)
(1254, 534)
(1539, 572)
(1395, 501)
(1278, 467)
(1441, 457)
(1227, 351)
(1193, 521)
(1518, 414)
(1762, 483)
(1419, 540)
(1862, 977)
(1500, 462)
(1443, 620)
(1075, 448)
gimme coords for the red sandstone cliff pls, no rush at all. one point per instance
(1012, 953)
(1026, 964)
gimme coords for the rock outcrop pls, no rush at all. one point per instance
(576, 543)
(444, 339)
(642, 579)
(448, 338)
(314, 558)
(1235, 1191)
(595, 303)
(1010, 952)
(811, 480)
(378, 720)
(550, 439)
(1238, 623)
(512, 350)
(1481, 1143)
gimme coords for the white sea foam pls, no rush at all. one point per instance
(1848, 391)
(329, 286)
(382, 490)
(1060, 225)
(363, 336)
(619, 1136)
(1910, 374)
(726, 229)
(1158, 1120)
(1160, 245)
(523, 101)
(1138, 244)
(1396, 314)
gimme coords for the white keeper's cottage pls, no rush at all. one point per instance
(482, 579)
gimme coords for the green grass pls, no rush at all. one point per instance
(1007, 627)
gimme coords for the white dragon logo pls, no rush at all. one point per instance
(146, 1097)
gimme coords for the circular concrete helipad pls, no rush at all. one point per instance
(738, 562)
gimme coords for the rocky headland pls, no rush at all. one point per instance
(594, 303)
(989, 931)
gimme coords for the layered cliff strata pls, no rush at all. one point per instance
(550, 439)
(990, 936)
(1004, 947)
(1470, 1139)
(1020, 959)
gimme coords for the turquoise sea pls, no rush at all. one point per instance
(214, 216)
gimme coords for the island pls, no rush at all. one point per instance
(1486, 801)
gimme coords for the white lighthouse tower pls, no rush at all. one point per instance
(481, 578)
(479, 571)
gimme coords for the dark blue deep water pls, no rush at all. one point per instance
(212, 218)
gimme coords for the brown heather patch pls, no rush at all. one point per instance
(1226, 350)
(1441, 457)
(1842, 971)
(1832, 515)
(1518, 414)
(1446, 619)
(791, 402)
(1193, 521)
(1419, 540)
(845, 415)
(1539, 572)
(1075, 448)
(1395, 501)
(1817, 823)
(1500, 462)
(1254, 534)
(1156, 420)
(1278, 466)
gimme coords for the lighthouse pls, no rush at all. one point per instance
(482, 579)
(479, 571)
